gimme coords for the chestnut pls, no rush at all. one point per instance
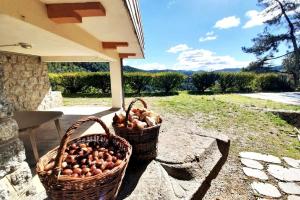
(76, 166)
(100, 154)
(72, 151)
(88, 174)
(111, 152)
(73, 146)
(77, 170)
(114, 159)
(109, 158)
(67, 172)
(97, 171)
(86, 170)
(110, 165)
(95, 154)
(93, 168)
(75, 175)
(118, 162)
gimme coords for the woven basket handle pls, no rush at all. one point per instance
(130, 106)
(69, 132)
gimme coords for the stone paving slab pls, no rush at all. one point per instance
(266, 189)
(284, 174)
(292, 162)
(255, 173)
(289, 187)
(261, 157)
(293, 197)
(251, 163)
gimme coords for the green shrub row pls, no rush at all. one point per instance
(99, 82)
(241, 82)
(137, 82)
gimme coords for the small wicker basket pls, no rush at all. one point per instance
(102, 186)
(143, 141)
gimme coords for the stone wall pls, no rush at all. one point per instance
(25, 82)
(24, 85)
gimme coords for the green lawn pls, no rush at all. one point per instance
(234, 115)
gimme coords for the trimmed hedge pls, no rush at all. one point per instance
(99, 82)
(273, 82)
(204, 80)
(241, 82)
(138, 81)
(167, 81)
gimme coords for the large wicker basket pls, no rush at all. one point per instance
(102, 186)
(143, 141)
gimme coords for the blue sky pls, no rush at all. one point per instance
(198, 34)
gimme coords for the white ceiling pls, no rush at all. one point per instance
(54, 41)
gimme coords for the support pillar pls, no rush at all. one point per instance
(116, 81)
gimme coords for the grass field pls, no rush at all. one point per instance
(236, 116)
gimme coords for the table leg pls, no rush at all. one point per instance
(33, 144)
(58, 128)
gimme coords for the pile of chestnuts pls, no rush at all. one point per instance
(87, 159)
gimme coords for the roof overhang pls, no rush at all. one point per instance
(72, 30)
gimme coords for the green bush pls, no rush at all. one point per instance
(236, 82)
(138, 81)
(167, 81)
(273, 82)
(72, 83)
(204, 80)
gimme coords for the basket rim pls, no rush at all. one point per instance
(127, 128)
(62, 178)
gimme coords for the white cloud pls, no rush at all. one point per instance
(178, 48)
(201, 59)
(151, 66)
(257, 18)
(208, 36)
(228, 22)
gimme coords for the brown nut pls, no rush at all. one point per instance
(97, 171)
(118, 162)
(93, 167)
(82, 145)
(85, 170)
(111, 152)
(75, 175)
(110, 165)
(114, 159)
(67, 172)
(77, 170)
(109, 158)
(95, 154)
(101, 154)
(72, 151)
(73, 146)
(88, 174)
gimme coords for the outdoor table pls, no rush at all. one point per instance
(28, 121)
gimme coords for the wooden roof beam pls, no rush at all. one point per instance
(126, 55)
(73, 12)
(114, 45)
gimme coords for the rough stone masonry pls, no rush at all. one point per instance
(24, 85)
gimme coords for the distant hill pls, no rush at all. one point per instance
(228, 70)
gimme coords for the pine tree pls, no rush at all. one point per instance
(284, 16)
